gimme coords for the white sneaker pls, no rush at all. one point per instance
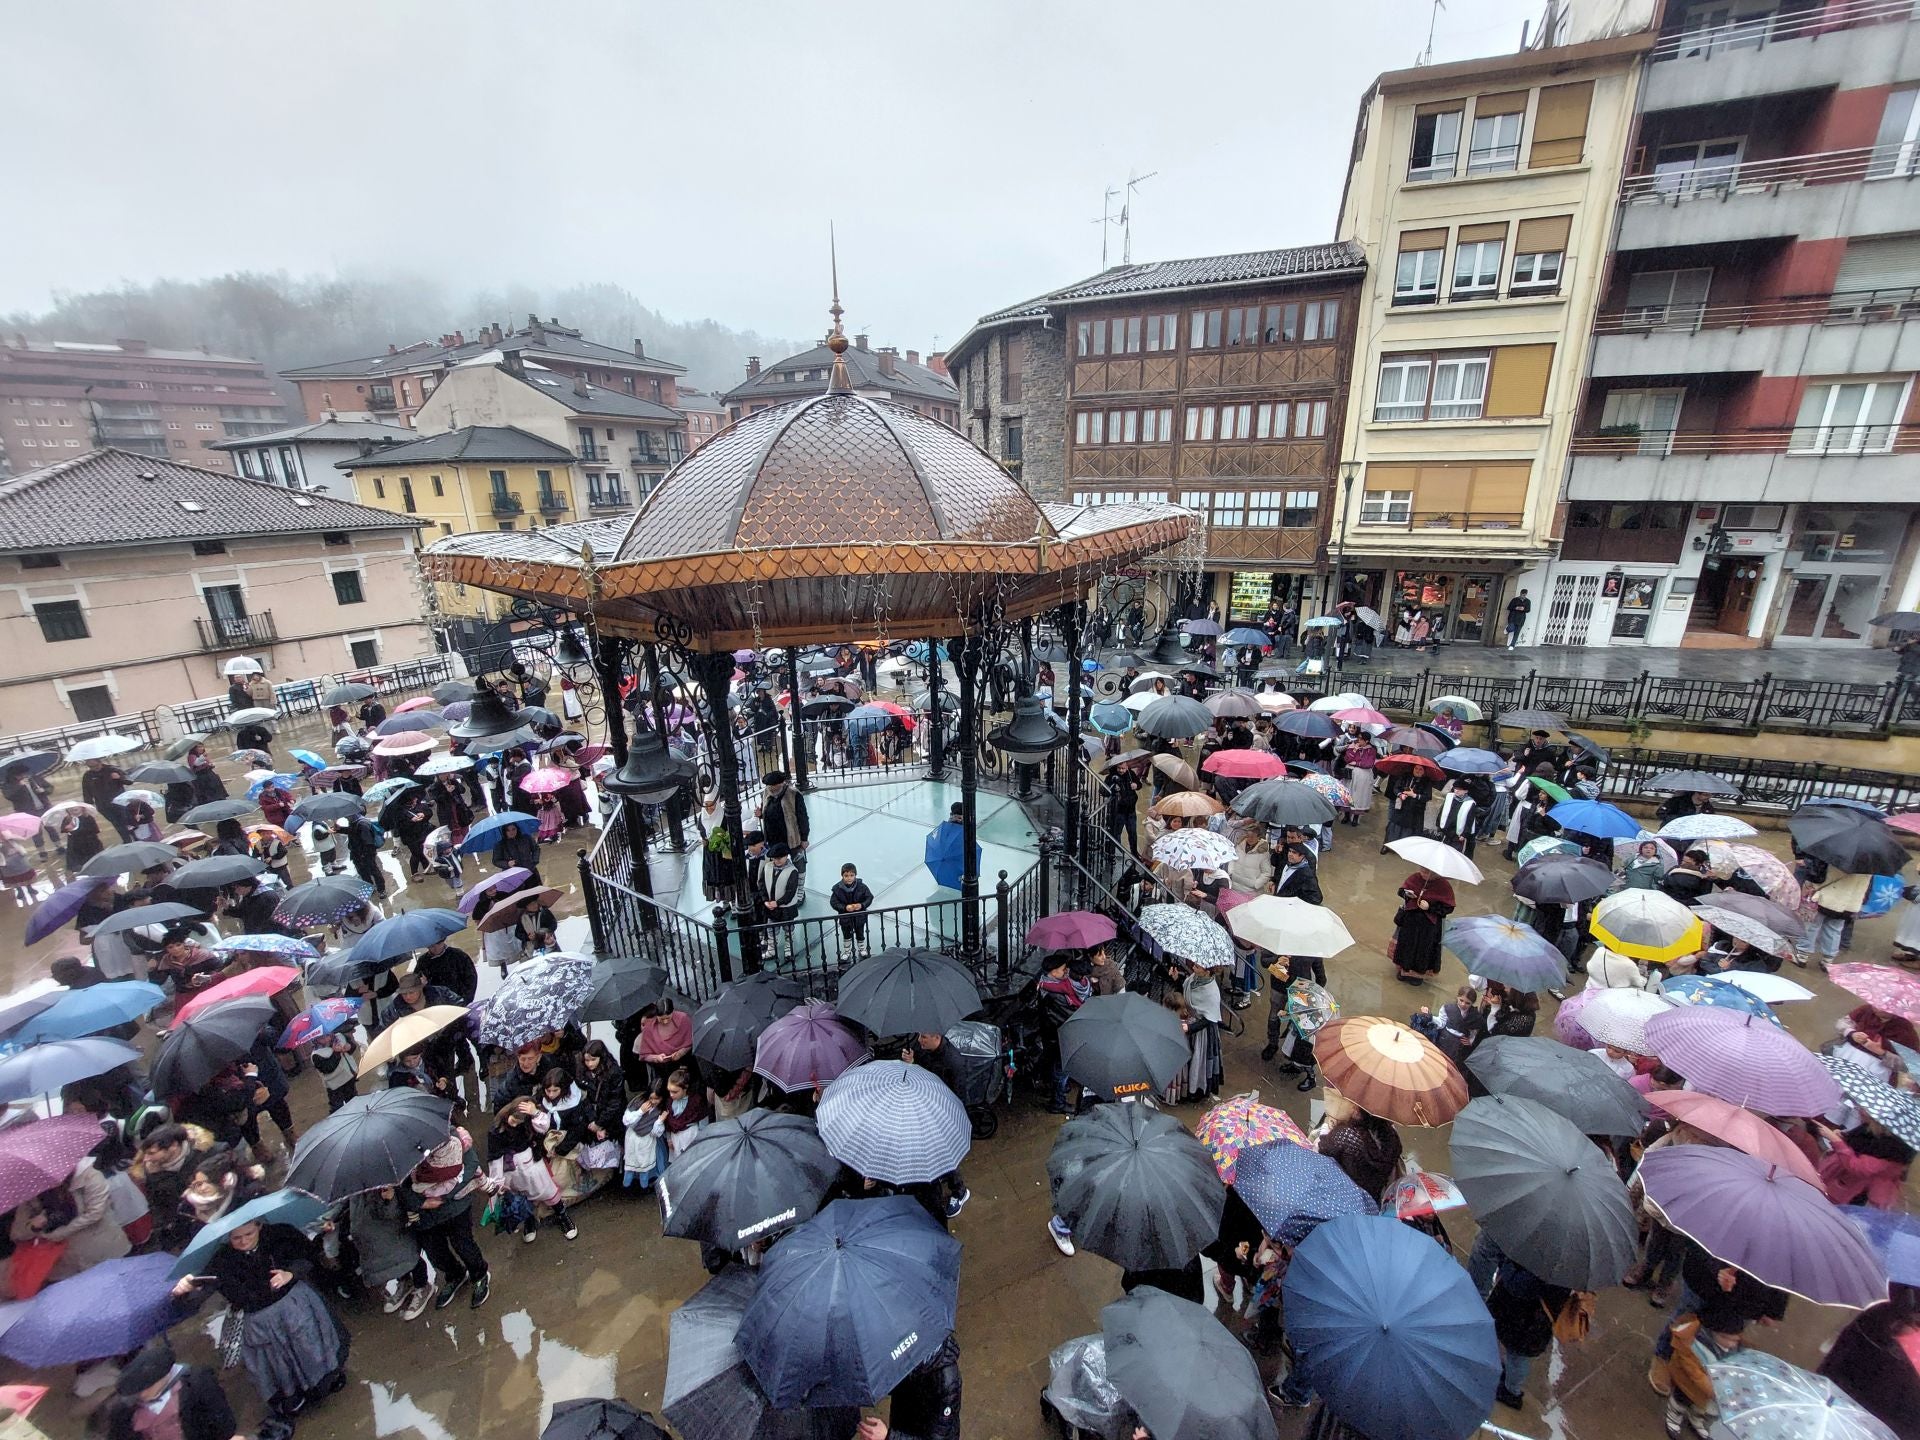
(1061, 1236)
(416, 1302)
(397, 1295)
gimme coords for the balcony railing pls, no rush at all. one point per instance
(1443, 520)
(235, 632)
(1809, 440)
(1762, 177)
(506, 504)
(609, 500)
(593, 452)
(1771, 29)
(1842, 307)
(552, 502)
(646, 455)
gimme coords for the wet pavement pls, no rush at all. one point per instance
(590, 1317)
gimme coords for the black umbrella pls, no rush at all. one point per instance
(413, 722)
(448, 691)
(710, 1394)
(1575, 1084)
(323, 901)
(600, 1420)
(823, 707)
(337, 969)
(214, 811)
(1775, 917)
(374, 1140)
(1123, 1045)
(1898, 621)
(1284, 802)
(1174, 717)
(205, 1043)
(1546, 1195)
(1135, 1187)
(326, 806)
(1689, 782)
(136, 916)
(1562, 879)
(907, 992)
(746, 1179)
(1184, 1373)
(215, 871)
(1588, 747)
(1533, 720)
(621, 986)
(1313, 725)
(161, 772)
(124, 859)
(350, 693)
(726, 1027)
(1849, 840)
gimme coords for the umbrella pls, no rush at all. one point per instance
(485, 834)
(1235, 704)
(851, 1303)
(76, 1013)
(102, 747)
(537, 998)
(290, 947)
(407, 743)
(45, 1068)
(1111, 719)
(199, 1047)
(1413, 766)
(600, 1420)
(1532, 720)
(1744, 927)
(1420, 1194)
(1360, 715)
(268, 980)
(1123, 1044)
(1194, 849)
(40, 1154)
(110, 1308)
(280, 1207)
(62, 906)
(1203, 627)
(1245, 764)
(907, 992)
(746, 1179)
(1845, 802)
(546, 780)
(710, 1394)
(410, 930)
(1770, 873)
(1292, 1190)
(1690, 782)
(125, 859)
(1594, 817)
(1469, 761)
(507, 881)
(1186, 934)
(374, 1140)
(1187, 804)
(1458, 706)
(1288, 925)
(1897, 992)
(1323, 622)
(1574, 1084)
(623, 985)
(1619, 1018)
(1742, 1129)
(278, 781)
(1334, 791)
(727, 1027)
(1647, 925)
(1548, 787)
(16, 1013)
(409, 1031)
(1715, 991)
(1895, 1237)
(1390, 1332)
(806, 1047)
(1441, 859)
(1284, 802)
(1897, 1110)
(185, 744)
(1247, 635)
(1138, 701)
(383, 791)
(350, 692)
(1758, 1396)
(1741, 1059)
(20, 824)
(444, 765)
(319, 1019)
(1566, 1019)
(144, 797)
(1848, 840)
(1390, 1070)
(1562, 879)
(326, 807)
(1275, 702)
(33, 762)
(1773, 989)
(1135, 1187)
(309, 759)
(895, 1122)
(1183, 1373)
(410, 723)
(216, 871)
(1755, 1216)
(253, 715)
(1174, 717)
(322, 902)
(1898, 620)
(137, 917)
(1241, 1123)
(1497, 948)
(1071, 930)
(1417, 739)
(1907, 822)
(1683, 828)
(1177, 771)
(1307, 724)
(1545, 1194)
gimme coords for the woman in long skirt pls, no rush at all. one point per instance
(1361, 758)
(1425, 902)
(294, 1347)
(1201, 991)
(1407, 808)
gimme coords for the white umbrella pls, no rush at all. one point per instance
(1745, 927)
(1194, 850)
(1144, 680)
(1442, 860)
(151, 797)
(1276, 700)
(242, 665)
(1707, 827)
(1287, 925)
(1140, 700)
(1183, 931)
(1773, 989)
(1345, 700)
(1619, 1017)
(1456, 705)
(253, 713)
(99, 747)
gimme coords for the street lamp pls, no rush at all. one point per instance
(1349, 472)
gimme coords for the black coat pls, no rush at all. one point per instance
(1302, 884)
(451, 970)
(205, 1413)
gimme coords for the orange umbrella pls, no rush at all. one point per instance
(1189, 804)
(506, 910)
(1742, 1129)
(283, 836)
(1390, 1070)
(267, 980)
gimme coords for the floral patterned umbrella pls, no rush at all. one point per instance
(1882, 986)
(42, 1153)
(1898, 1110)
(1707, 827)
(1333, 789)
(1546, 845)
(1762, 1397)
(1194, 850)
(1770, 872)
(1241, 1123)
(1566, 1020)
(1182, 931)
(319, 1019)
(1423, 1193)
(537, 997)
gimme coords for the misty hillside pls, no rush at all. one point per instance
(288, 321)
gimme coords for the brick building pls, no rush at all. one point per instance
(60, 399)
(885, 374)
(705, 414)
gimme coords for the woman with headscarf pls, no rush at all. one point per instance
(1365, 1147)
(1426, 900)
(207, 784)
(1361, 757)
(1407, 798)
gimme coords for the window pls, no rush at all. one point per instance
(1283, 324)
(91, 702)
(506, 525)
(1309, 419)
(346, 587)
(1496, 141)
(1163, 333)
(1302, 509)
(1010, 446)
(1156, 426)
(61, 620)
(1203, 330)
(1126, 336)
(1850, 417)
(209, 547)
(1200, 422)
(406, 493)
(379, 488)
(1416, 281)
(1243, 325)
(364, 653)
(1322, 320)
(1386, 507)
(1236, 422)
(1896, 149)
(1013, 368)
(1476, 268)
(1436, 144)
(1092, 337)
(498, 479)
(1537, 270)
(1459, 387)
(39, 562)
(246, 457)
(1668, 297)
(335, 537)
(1697, 167)
(289, 466)
(1264, 421)
(1403, 390)
(438, 488)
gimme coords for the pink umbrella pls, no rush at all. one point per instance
(411, 742)
(1071, 930)
(1895, 991)
(1742, 1129)
(1908, 821)
(546, 780)
(19, 825)
(1361, 715)
(506, 882)
(419, 702)
(40, 1154)
(1772, 874)
(1566, 1020)
(1245, 764)
(267, 980)
(1228, 900)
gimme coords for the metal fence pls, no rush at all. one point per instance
(1765, 785)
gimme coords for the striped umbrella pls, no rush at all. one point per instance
(894, 1122)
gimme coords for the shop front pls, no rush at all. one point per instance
(1839, 566)
(1461, 606)
(1250, 594)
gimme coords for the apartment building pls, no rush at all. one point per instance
(883, 373)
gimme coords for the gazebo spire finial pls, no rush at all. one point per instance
(838, 383)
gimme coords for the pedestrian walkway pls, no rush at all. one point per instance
(1619, 662)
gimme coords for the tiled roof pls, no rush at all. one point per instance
(338, 431)
(427, 355)
(115, 497)
(594, 399)
(863, 368)
(475, 443)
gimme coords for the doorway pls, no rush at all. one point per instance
(1724, 599)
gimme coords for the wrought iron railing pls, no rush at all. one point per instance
(1770, 28)
(1765, 785)
(1840, 307)
(1711, 180)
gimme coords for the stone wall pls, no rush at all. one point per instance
(1041, 409)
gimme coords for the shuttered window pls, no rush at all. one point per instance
(1518, 385)
(1560, 125)
(1884, 264)
(1444, 496)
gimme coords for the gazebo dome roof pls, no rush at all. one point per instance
(831, 470)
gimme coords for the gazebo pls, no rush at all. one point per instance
(837, 517)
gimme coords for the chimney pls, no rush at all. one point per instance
(581, 387)
(392, 349)
(753, 366)
(937, 362)
(533, 320)
(913, 357)
(888, 357)
(132, 347)
(511, 362)
(459, 337)
(639, 348)
(860, 341)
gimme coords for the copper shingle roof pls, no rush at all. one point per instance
(115, 497)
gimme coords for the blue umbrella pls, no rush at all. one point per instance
(917, 652)
(1595, 818)
(45, 1068)
(1324, 622)
(309, 759)
(1292, 1194)
(945, 852)
(282, 1207)
(290, 947)
(33, 762)
(107, 1309)
(1246, 635)
(404, 933)
(1309, 724)
(1111, 719)
(1895, 1238)
(62, 905)
(87, 1012)
(485, 834)
(283, 782)
(385, 790)
(851, 1303)
(1445, 737)
(865, 721)
(1390, 1332)
(1720, 994)
(1500, 949)
(1465, 760)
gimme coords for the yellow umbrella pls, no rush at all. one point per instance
(409, 1032)
(1646, 925)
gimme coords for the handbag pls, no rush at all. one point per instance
(33, 1262)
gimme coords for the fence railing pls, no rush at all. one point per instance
(1705, 41)
(1810, 440)
(1839, 307)
(1765, 785)
(1711, 181)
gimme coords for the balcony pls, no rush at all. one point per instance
(640, 456)
(1843, 45)
(595, 453)
(1422, 520)
(1868, 464)
(552, 503)
(607, 500)
(235, 632)
(1818, 196)
(505, 503)
(1860, 332)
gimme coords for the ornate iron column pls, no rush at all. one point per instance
(607, 661)
(968, 658)
(657, 703)
(715, 674)
(800, 781)
(1072, 618)
(1023, 687)
(936, 687)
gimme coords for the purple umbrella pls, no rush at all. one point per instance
(1071, 930)
(62, 905)
(807, 1047)
(42, 1153)
(741, 657)
(506, 882)
(1566, 1020)
(1743, 1059)
(458, 710)
(1760, 1219)
(107, 1309)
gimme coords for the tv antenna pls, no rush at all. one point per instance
(1433, 23)
(1106, 222)
(1134, 182)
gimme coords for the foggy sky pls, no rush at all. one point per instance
(693, 154)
